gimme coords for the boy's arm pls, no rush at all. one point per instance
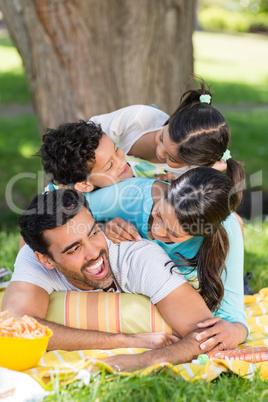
(24, 298)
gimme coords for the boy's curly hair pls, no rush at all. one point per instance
(68, 153)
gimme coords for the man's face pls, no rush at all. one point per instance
(79, 251)
(110, 164)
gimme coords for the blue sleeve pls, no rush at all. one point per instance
(130, 200)
(232, 305)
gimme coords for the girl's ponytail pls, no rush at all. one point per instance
(236, 173)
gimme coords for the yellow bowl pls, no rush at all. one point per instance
(22, 354)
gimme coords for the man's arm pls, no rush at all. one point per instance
(183, 309)
(24, 298)
(180, 352)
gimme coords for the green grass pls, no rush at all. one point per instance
(13, 82)
(161, 387)
(19, 141)
(236, 59)
(256, 257)
(248, 140)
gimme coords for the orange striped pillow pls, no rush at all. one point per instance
(109, 312)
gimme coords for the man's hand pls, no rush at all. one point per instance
(119, 230)
(179, 352)
(152, 340)
(220, 334)
(168, 177)
(126, 362)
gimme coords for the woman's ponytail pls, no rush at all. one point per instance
(210, 260)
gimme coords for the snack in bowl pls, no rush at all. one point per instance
(23, 341)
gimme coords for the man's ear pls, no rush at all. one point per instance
(45, 260)
(84, 186)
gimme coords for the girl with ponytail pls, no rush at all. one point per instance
(192, 220)
(202, 135)
(196, 134)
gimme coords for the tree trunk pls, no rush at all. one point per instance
(86, 57)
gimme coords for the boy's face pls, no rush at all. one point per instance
(110, 164)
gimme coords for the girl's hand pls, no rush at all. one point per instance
(220, 334)
(119, 230)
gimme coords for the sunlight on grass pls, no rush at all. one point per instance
(27, 151)
(10, 58)
(227, 58)
(13, 82)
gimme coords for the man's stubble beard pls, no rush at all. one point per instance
(79, 278)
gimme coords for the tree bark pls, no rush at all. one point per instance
(86, 57)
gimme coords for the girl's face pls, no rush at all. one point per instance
(165, 226)
(166, 150)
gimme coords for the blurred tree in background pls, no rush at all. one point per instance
(87, 57)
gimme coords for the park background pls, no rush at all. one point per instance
(231, 54)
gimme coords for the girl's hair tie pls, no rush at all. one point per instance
(206, 98)
(226, 155)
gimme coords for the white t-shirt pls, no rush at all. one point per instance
(125, 126)
(138, 267)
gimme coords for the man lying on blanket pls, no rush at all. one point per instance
(70, 252)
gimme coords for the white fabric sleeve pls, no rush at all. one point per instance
(125, 126)
(28, 269)
(149, 271)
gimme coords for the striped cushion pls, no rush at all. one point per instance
(108, 312)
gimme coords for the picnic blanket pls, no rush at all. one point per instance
(66, 367)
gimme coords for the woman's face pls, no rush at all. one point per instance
(165, 226)
(166, 150)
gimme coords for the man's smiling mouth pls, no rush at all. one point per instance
(99, 269)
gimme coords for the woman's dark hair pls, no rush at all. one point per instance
(49, 211)
(203, 198)
(202, 134)
(68, 153)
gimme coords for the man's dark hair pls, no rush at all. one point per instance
(68, 153)
(49, 211)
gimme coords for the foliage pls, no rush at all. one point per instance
(251, 6)
(217, 19)
(159, 387)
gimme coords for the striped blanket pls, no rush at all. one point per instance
(70, 366)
